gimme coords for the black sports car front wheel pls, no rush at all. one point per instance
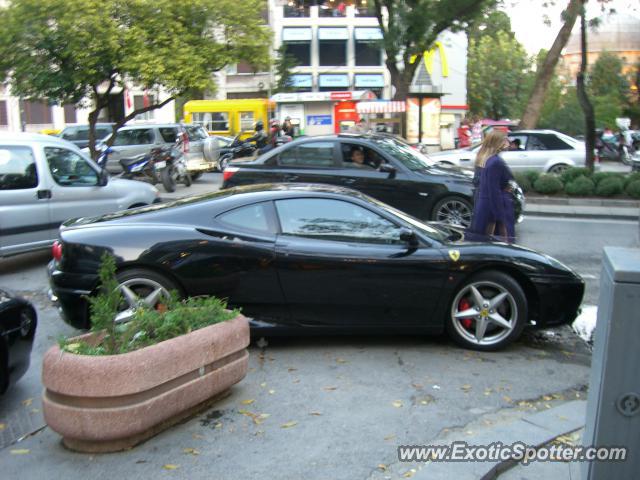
(453, 211)
(488, 312)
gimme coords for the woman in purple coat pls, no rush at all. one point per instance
(493, 212)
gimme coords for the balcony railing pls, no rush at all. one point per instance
(297, 9)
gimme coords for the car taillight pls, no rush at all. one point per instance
(56, 250)
(185, 143)
(228, 173)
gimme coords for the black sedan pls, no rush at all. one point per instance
(392, 172)
(316, 258)
(18, 322)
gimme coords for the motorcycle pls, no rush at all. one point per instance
(236, 149)
(615, 148)
(141, 167)
(172, 165)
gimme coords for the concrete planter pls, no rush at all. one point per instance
(111, 403)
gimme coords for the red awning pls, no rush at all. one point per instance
(381, 107)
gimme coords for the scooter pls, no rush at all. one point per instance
(172, 165)
(141, 167)
(615, 148)
(236, 149)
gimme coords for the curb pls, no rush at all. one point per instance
(595, 213)
(587, 202)
(533, 430)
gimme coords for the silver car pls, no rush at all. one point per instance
(45, 180)
(201, 152)
(542, 150)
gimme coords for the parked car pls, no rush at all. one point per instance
(18, 322)
(201, 151)
(541, 150)
(45, 180)
(316, 258)
(79, 134)
(396, 174)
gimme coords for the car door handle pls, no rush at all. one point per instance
(44, 194)
(290, 178)
(349, 181)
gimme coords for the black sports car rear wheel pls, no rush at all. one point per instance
(142, 287)
(488, 312)
(454, 211)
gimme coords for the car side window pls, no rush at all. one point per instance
(311, 154)
(336, 220)
(69, 169)
(518, 142)
(359, 157)
(552, 142)
(17, 168)
(250, 217)
(169, 134)
(70, 133)
(535, 143)
(133, 137)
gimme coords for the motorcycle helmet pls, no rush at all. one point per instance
(259, 125)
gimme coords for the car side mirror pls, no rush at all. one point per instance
(386, 168)
(409, 236)
(103, 178)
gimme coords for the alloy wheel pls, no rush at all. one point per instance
(138, 292)
(484, 313)
(454, 212)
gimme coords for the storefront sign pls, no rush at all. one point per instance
(369, 80)
(368, 33)
(296, 34)
(331, 33)
(301, 81)
(341, 96)
(429, 56)
(313, 120)
(335, 80)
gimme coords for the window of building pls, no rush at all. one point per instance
(297, 44)
(70, 114)
(333, 82)
(297, 8)
(4, 117)
(139, 101)
(332, 46)
(368, 49)
(364, 8)
(332, 8)
(36, 112)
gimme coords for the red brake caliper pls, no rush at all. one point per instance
(462, 306)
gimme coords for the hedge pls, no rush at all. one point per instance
(582, 186)
(548, 184)
(570, 174)
(610, 186)
(633, 189)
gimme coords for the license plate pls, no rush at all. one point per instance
(161, 164)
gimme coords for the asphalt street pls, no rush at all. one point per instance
(334, 407)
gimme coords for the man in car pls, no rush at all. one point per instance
(358, 160)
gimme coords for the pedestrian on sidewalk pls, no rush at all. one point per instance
(493, 212)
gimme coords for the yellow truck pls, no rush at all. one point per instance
(229, 117)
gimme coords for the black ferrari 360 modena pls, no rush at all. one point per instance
(18, 322)
(316, 258)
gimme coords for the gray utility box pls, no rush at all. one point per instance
(613, 407)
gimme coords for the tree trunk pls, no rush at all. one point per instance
(587, 108)
(533, 109)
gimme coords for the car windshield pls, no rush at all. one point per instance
(409, 157)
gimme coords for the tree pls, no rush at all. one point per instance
(497, 75)
(82, 51)
(606, 77)
(284, 64)
(583, 97)
(545, 72)
(409, 27)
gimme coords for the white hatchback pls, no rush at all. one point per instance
(45, 180)
(546, 151)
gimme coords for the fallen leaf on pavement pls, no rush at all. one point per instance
(389, 437)
(20, 451)
(436, 387)
(397, 403)
(27, 402)
(196, 436)
(417, 386)
(170, 466)
(3, 426)
(507, 399)
(263, 384)
(247, 402)
(291, 369)
(341, 360)
(191, 451)
(271, 392)
(317, 414)
(288, 425)
(328, 389)
(547, 397)
(466, 387)
(382, 467)
(410, 473)
(296, 381)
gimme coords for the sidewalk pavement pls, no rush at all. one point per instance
(601, 208)
(533, 430)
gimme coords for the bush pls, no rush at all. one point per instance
(524, 182)
(548, 184)
(599, 176)
(633, 188)
(532, 175)
(610, 186)
(631, 178)
(580, 186)
(571, 173)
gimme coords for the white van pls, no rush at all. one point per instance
(45, 180)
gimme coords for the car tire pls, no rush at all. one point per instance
(558, 169)
(224, 162)
(453, 210)
(497, 309)
(142, 285)
(195, 176)
(168, 179)
(186, 179)
(4, 366)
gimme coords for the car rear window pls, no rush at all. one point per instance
(196, 133)
(551, 142)
(169, 134)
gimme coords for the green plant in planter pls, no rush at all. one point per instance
(532, 175)
(580, 186)
(523, 180)
(599, 176)
(610, 186)
(149, 326)
(572, 173)
(633, 189)
(631, 178)
(548, 184)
